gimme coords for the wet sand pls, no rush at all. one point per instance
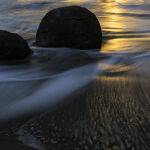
(14, 145)
(111, 113)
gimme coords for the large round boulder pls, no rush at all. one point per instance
(72, 26)
(12, 46)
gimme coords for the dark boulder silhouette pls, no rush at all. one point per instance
(72, 26)
(13, 46)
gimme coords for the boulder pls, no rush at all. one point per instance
(73, 27)
(12, 46)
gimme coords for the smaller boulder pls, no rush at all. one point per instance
(73, 27)
(13, 47)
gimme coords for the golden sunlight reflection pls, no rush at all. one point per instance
(121, 30)
(118, 25)
(76, 1)
(130, 1)
(117, 70)
(112, 25)
(119, 78)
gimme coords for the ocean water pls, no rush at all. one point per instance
(120, 20)
(53, 74)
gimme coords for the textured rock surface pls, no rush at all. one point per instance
(72, 26)
(12, 46)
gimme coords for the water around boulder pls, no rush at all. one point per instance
(13, 47)
(72, 26)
